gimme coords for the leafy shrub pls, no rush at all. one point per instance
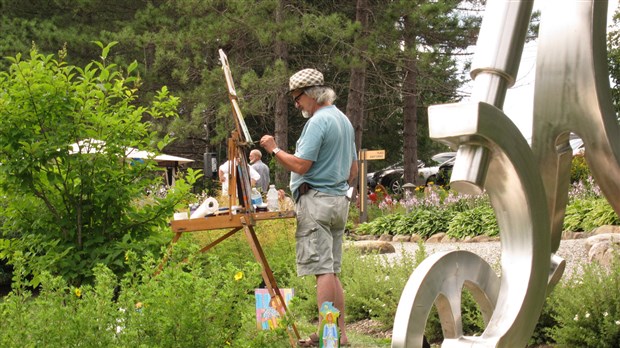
(587, 309)
(470, 223)
(542, 334)
(385, 224)
(427, 222)
(601, 214)
(471, 317)
(73, 197)
(579, 170)
(588, 214)
(185, 305)
(575, 215)
(388, 279)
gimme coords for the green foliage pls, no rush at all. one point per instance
(73, 196)
(542, 335)
(579, 170)
(601, 214)
(186, 304)
(386, 224)
(471, 223)
(588, 214)
(388, 278)
(433, 213)
(473, 324)
(587, 309)
(427, 222)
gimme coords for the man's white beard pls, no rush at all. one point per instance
(305, 114)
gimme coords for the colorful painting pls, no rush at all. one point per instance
(268, 310)
(329, 335)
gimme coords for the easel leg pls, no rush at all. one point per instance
(175, 239)
(268, 277)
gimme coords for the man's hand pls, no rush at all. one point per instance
(268, 143)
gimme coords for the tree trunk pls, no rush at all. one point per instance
(281, 106)
(410, 102)
(357, 83)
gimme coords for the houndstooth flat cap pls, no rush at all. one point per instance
(305, 78)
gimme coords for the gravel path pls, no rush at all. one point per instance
(573, 251)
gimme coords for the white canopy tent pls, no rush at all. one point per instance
(170, 162)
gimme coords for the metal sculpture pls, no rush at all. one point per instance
(529, 186)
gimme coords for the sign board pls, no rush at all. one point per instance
(375, 154)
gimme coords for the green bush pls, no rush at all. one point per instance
(72, 197)
(471, 317)
(587, 309)
(601, 214)
(186, 304)
(388, 279)
(426, 222)
(474, 222)
(588, 214)
(579, 170)
(386, 224)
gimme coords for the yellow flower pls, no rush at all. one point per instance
(78, 292)
(239, 275)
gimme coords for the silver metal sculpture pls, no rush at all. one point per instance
(529, 186)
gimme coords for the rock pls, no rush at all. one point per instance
(368, 247)
(367, 237)
(353, 236)
(481, 239)
(606, 229)
(448, 239)
(386, 237)
(402, 238)
(415, 238)
(574, 235)
(436, 238)
(579, 235)
(602, 248)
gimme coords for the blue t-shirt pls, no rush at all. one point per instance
(328, 140)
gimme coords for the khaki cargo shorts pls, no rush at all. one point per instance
(321, 220)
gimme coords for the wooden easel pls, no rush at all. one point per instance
(245, 217)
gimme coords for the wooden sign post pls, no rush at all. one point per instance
(364, 156)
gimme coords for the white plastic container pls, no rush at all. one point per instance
(272, 199)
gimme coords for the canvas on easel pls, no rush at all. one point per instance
(238, 143)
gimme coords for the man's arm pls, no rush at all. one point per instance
(288, 161)
(353, 173)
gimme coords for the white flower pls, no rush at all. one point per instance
(576, 318)
(605, 314)
(617, 322)
(587, 314)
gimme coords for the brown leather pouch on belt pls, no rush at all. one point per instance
(303, 188)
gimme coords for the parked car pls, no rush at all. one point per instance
(392, 177)
(442, 178)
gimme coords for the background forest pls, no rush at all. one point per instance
(388, 61)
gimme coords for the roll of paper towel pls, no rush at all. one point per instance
(209, 206)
